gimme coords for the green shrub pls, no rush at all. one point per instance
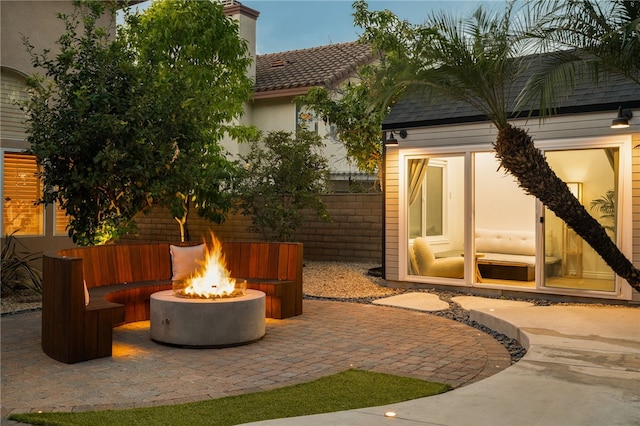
(284, 176)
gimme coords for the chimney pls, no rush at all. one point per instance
(246, 18)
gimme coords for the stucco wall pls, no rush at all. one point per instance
(279, 114)
(38, 22)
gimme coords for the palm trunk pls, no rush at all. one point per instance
(519, 156)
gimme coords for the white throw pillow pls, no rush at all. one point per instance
(186, 260)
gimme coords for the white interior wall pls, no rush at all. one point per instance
(500, 203)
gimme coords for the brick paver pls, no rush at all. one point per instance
(329, 337)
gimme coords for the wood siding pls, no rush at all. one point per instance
(392, 215)
(635, 197)
(13, 92)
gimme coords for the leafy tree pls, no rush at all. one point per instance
(196, 67)
(358, 108)
(122, 124)
(351, 107)
(477, 60)
(282, 177)
(87, 130)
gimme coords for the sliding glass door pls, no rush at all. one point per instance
(505, 226)
(592, 176)
(465, 207)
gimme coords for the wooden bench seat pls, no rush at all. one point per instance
(121, 278)
(281, 296)
(135, 297)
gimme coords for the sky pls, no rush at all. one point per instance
(299, 24)
(290, 25)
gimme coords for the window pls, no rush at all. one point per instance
(306, 119)
(61, 221)
(434, 203)
(21, 190)
(427, 203)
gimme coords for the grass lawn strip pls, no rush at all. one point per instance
(347, 390)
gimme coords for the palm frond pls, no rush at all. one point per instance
(609, 31)
(474, 60)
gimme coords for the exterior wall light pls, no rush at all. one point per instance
(391, 140)
(622, 120)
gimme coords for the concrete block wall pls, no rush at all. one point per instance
(354, 234)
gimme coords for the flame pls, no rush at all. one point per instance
(212, 280)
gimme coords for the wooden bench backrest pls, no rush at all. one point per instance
(123, 263)
(62, 307)
(281, 261)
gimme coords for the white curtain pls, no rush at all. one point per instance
(417, 172)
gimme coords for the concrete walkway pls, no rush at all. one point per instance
(582, 368)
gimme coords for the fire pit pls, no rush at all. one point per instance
(207, 323)
(209, 308)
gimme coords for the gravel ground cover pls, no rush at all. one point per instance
(345, 281)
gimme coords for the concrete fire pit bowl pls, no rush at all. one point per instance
(207, 323)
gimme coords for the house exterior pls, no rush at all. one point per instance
(279, 78)
(453, 219)
(41, 228)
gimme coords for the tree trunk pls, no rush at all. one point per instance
(519, 156)
(181, 222)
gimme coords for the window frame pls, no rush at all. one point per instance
(444, 236)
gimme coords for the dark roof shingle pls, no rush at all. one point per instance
(587, 96)
(317, 66)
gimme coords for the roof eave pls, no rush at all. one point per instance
(281, 93)
(582, 109)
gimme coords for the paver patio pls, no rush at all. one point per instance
(329, 337)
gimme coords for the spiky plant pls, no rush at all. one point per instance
(17, 267)
(606, 206)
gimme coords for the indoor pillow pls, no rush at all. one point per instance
(186, 260)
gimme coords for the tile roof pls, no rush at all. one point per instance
(587, 96)
(316, 66)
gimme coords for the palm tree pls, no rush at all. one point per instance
(582, 36)
(479, 61)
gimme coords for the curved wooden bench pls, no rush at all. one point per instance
(120, 279)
